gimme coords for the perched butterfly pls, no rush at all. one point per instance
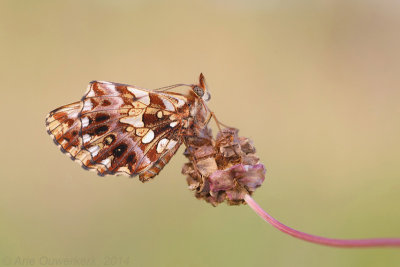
(123, 129)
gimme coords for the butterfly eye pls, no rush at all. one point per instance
(199, 91)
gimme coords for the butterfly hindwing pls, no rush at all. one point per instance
(120, 129)
(64, 126)
(170, 148)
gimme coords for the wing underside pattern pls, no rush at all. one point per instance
(120, 129)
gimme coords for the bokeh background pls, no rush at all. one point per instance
(315, 84)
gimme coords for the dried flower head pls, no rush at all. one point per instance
(227, 169)
(222, 169)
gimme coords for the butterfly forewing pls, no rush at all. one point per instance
(120, 129)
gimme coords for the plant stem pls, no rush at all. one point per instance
(351, 243)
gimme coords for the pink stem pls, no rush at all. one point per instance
(355, 243)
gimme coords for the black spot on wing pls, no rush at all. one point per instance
(102, 117)
(130, 158)
(101, 129)
(119, 150)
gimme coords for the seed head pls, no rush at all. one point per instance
(224, 169)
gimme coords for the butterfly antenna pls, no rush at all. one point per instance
(165, 88)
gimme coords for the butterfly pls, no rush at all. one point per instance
(124, 129)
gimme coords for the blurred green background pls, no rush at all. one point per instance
(315, 84)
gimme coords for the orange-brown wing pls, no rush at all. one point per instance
(120, 129)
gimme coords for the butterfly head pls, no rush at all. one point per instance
(201, 89)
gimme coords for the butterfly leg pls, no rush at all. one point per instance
(219, 124)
